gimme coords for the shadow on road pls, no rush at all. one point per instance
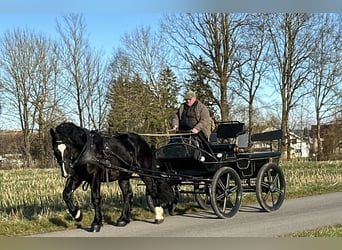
(251, 209)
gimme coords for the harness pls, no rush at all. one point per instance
(86, 156)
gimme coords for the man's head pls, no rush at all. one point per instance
(190, 98)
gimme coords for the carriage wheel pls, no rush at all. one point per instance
(270, 187)
(226, 192)
(202, 196)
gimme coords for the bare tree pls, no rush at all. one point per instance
(327, 70)
(28, 78)
(253, 56)
(83, 72)
(1, 97)
(129, 97)
(292, 41)
(212, 36)
(148, 54)
(97, 88)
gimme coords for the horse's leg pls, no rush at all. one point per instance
(70, 186)
(127, 194)
(151, 188)
(96, 201)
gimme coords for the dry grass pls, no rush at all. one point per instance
(31, 202)
(309, 178)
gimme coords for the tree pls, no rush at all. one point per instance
(292, 41)
(97, 88)
(28, 76)
(131, 101)
(326, 71)
(83, 72)
(168, 98)
(128, 106)
(1, 87)
(149, 54)
(199, 81)
(212, 36)
(252, 58)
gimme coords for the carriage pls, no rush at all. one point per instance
(218, 172)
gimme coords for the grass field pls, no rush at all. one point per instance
(31, 202)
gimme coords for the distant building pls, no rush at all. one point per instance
(331, 139)
(300, 147)
(11, 145)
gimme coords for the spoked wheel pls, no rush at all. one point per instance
(270, 187)
(226, 192)
(202, 196)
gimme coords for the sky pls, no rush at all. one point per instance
(169, 5)
(108, 20)
(105, 30)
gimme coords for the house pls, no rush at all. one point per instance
(300, 147)
(11, 142)
(331, 140)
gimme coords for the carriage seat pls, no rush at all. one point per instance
(259, 155)
(222, 147)
(227, 130)
(224, 132)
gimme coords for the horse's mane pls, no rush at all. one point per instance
(73, 133)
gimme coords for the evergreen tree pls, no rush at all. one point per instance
(200, 75)
(130, 104)
(134, 104)
(167, 97)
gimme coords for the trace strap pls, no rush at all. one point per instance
(165, 135)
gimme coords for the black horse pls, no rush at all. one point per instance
(88, 156)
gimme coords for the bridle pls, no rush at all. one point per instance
(84, 151)
(61, 146)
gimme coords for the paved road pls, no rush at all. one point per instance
(294, 215)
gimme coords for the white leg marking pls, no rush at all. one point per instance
(78, 214)
(159, 213)
(65, 174)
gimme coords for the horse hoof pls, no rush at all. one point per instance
(79, 216)
(158, 221)
(95, 228)
(121, 223)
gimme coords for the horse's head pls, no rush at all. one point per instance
(68, 140)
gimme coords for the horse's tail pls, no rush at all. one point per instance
(145, 154)
(166, 193)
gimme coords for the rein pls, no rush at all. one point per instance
(166, 135)
(84, 149)
(133, 169)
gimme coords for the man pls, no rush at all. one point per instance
(193, 115)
